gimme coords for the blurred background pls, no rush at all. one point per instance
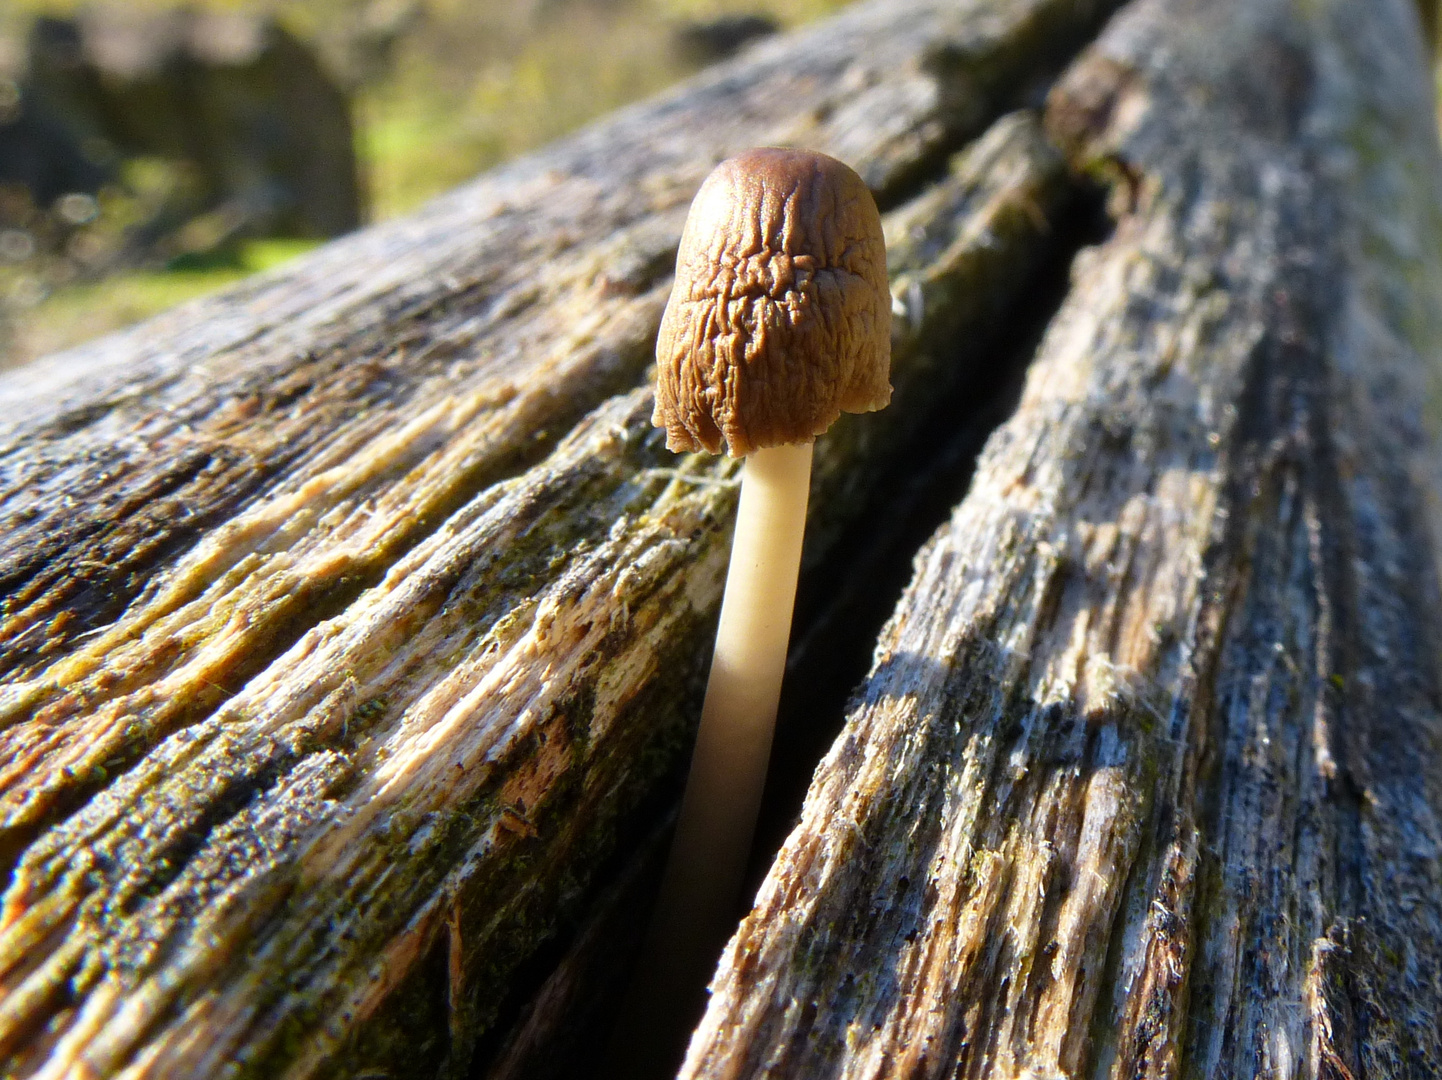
(152, 151)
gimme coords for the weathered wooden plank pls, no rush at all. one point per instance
(1144, 780)
(338, 767)
(424, 357)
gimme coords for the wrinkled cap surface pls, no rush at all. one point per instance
(780, 317)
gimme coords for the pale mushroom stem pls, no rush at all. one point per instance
(733, 744)
(696, 906)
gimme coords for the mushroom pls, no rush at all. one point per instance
(779, 320)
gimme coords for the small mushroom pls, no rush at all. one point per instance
(779, 321)
(780, 316)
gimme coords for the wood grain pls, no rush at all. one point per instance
(344, 616)
(1144, 782)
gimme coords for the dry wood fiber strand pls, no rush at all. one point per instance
(337, 868)
(1145, 779)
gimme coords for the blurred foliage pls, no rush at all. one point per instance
(443, 89)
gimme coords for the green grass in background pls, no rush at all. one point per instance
(472, 84)
(480, 83)
(77, 313)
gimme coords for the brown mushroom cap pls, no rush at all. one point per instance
(780, 317)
